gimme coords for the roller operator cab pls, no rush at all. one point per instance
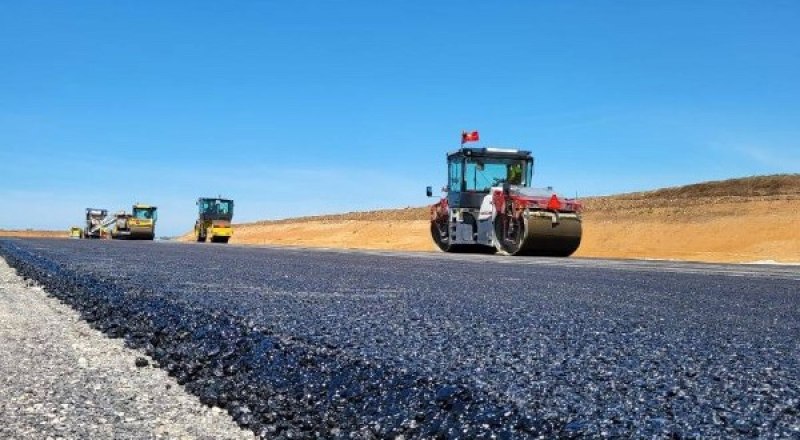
(214, 220)
(491, 206)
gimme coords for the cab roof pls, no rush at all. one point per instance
(490, 152)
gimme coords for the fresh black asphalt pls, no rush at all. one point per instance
(304, 344)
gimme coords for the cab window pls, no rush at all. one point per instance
(455, 180)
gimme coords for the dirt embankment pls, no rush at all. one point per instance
(30, 233)
(737, 220)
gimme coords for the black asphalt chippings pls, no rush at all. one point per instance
(304, 344)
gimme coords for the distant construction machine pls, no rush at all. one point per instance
(214, 219)
(490, 206)
(140, 224)
(95, 223)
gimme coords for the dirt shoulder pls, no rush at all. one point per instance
(739, 220)
(30, 233)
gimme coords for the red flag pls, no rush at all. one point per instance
(469, 137)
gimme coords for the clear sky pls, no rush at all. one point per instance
(295, 108)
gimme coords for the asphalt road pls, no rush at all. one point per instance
(303, 343)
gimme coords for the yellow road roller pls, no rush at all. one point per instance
(140, 224)
(214, 219)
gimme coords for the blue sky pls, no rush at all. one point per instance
(296, 108)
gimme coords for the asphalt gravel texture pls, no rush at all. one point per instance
(305, 344)
(62, 380)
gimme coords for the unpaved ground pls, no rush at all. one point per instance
(729, 232)
(61, 379)
(410, 235)
(739, 220)
(32, 233)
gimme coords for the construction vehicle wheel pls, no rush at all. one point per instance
(201, 238)
(441, 235)
(534, 236)
(509, 233)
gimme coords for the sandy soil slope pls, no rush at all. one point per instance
(30, 233)
(739, 220)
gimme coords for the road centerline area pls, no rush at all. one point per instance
(296, 342)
